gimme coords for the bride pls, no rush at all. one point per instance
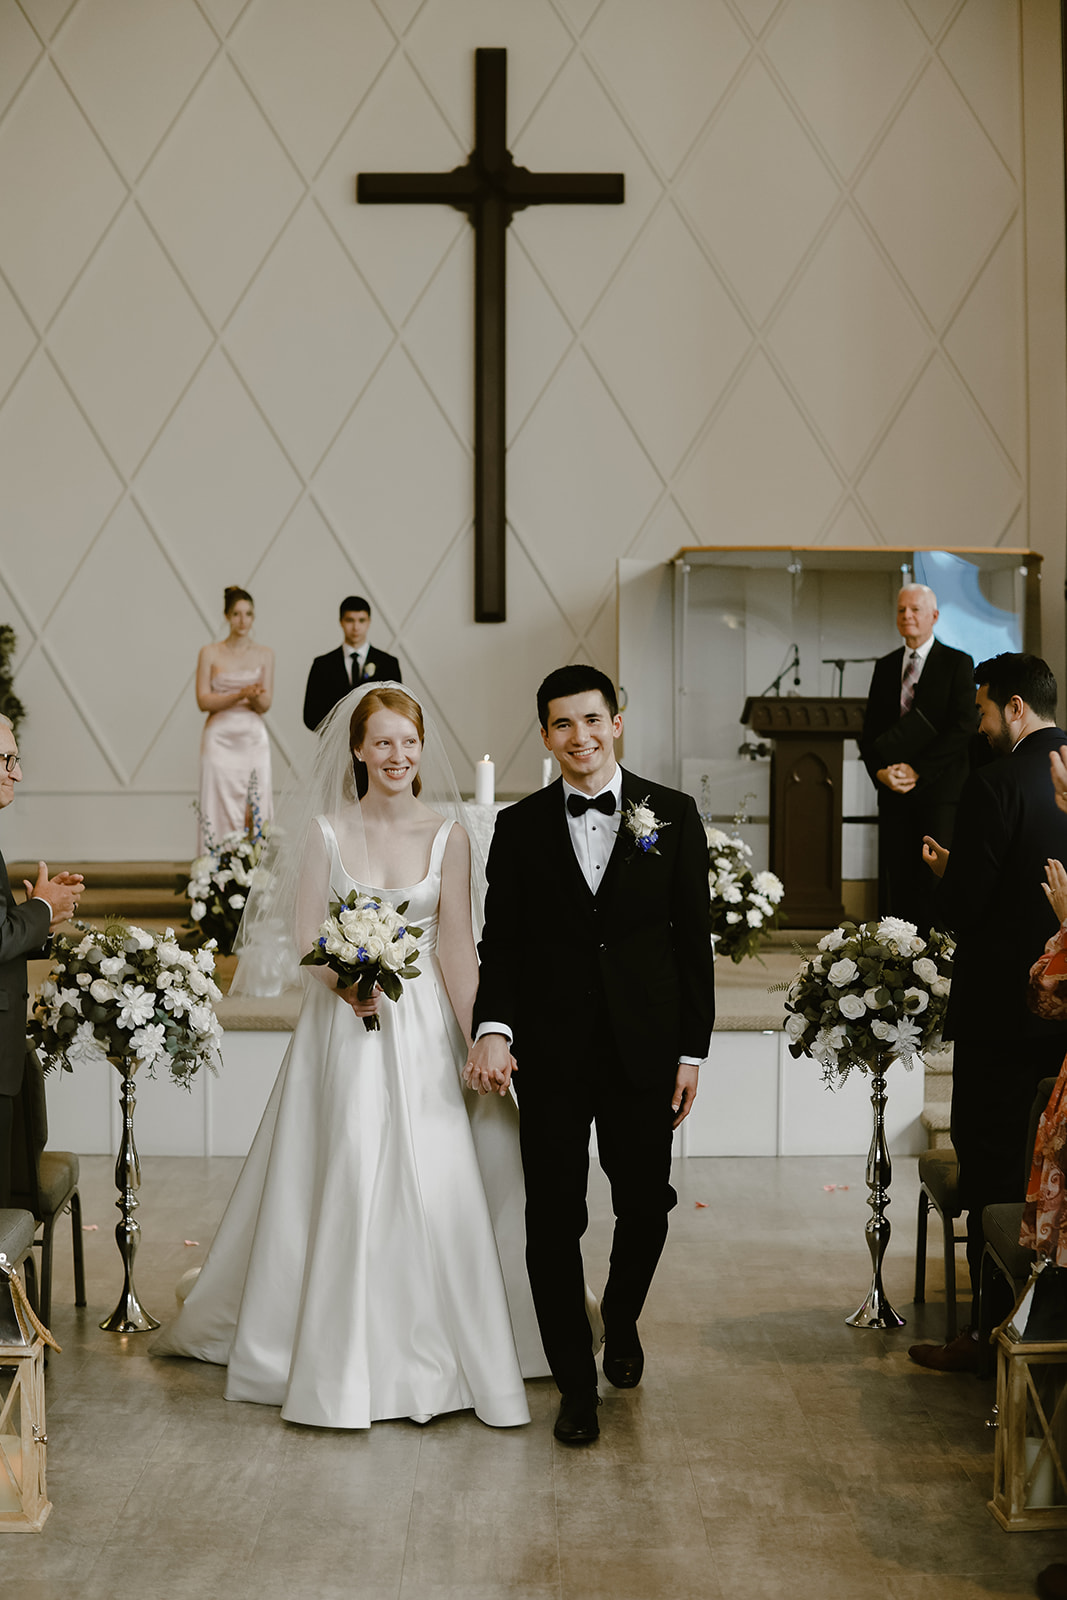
(370, 1261)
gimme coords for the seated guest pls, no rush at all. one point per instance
(356, 661)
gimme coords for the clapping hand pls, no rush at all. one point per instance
(935, 855)
(1056, 888)
(1058, 764)
(61, 892)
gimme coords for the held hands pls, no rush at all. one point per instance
(62, 892)
(1056, 888)
(935, 855)
(490, 1064)
(900, 777)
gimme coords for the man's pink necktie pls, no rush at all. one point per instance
(910, 679)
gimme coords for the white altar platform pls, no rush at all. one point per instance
(754, 1099)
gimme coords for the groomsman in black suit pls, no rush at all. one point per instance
(23, 930)
(919, 721)
(354, 662)
(596, 970)
(991, 896)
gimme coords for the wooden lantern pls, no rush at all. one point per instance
(24, 1502)
(1029, 1480)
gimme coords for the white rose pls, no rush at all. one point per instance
(103, 991)
(941, 987)
(916, 1001)
(852, 1007)
(374, 947)
(202, 1019)
(112, 966)
(198, 983)
(84, 979)
(394, 956)
(832, 941)
(925, 969)
(871, 1001)
(168, 954)
(795, 1026)
(164, 979)
(842, 972)
(883, 1030)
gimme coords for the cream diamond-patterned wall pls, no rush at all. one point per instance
(807, 323)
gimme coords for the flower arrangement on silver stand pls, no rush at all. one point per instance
(218, 881)
(872, 994)
(139, 1000)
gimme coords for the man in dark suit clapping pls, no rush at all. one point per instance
(23, 930)
(596, 969)
(991, 896)
(918, 724)
(354, 662)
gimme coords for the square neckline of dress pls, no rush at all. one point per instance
(382, 888)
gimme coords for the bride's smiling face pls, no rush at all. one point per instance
(391, 750)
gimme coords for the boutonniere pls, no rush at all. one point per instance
(368, 670)
(643, 825)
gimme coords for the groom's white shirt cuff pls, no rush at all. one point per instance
(494, 1027)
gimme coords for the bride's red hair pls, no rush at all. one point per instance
(381, 700)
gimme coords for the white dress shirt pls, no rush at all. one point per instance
(360, 656)
(593, 834)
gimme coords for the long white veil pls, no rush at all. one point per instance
(272, 937)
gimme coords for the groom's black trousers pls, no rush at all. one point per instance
(559, 1100)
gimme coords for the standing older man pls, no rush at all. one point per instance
(23, 929)
(919, 721)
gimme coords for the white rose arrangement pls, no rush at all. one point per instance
(129, 994)
(871, 991)
(366, 941)
(744, 904)
(220, 879)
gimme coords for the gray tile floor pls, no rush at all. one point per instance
(770, 1452)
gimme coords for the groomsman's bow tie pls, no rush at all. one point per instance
(578, 805)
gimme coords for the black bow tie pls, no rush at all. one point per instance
(578, 805)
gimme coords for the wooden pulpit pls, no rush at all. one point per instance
(808, 733)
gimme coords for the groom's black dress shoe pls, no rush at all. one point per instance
(577, 1421)
(624, 1360)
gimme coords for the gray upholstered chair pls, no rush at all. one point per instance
(17, 1229)
(1003, 1257)
(44, 1181)
(939, 1190)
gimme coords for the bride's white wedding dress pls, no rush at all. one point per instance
(370, 1263)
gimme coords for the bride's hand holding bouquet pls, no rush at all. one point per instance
(371, 949)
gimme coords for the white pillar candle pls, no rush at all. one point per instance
(546, 772)
(484, 782)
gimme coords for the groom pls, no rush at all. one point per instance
(596, 970)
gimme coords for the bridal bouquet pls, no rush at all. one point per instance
(366, 941)
(125, 993)
(220, 879)
(873, 990)
(744, 904)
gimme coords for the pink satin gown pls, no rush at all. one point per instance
(234, 745)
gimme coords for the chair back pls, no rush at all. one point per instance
(29, 1135)
(1037, 1111)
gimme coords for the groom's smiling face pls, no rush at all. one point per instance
(581, 734)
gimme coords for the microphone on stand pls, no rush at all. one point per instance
(791, 666)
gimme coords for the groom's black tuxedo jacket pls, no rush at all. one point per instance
(641, 944)
(328, 680)
(23, 930)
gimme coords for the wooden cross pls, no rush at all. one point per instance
(489, 188)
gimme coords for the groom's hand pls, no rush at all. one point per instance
(489, 1065)
(685, 1091)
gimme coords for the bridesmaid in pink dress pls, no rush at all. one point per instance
(234, 685)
